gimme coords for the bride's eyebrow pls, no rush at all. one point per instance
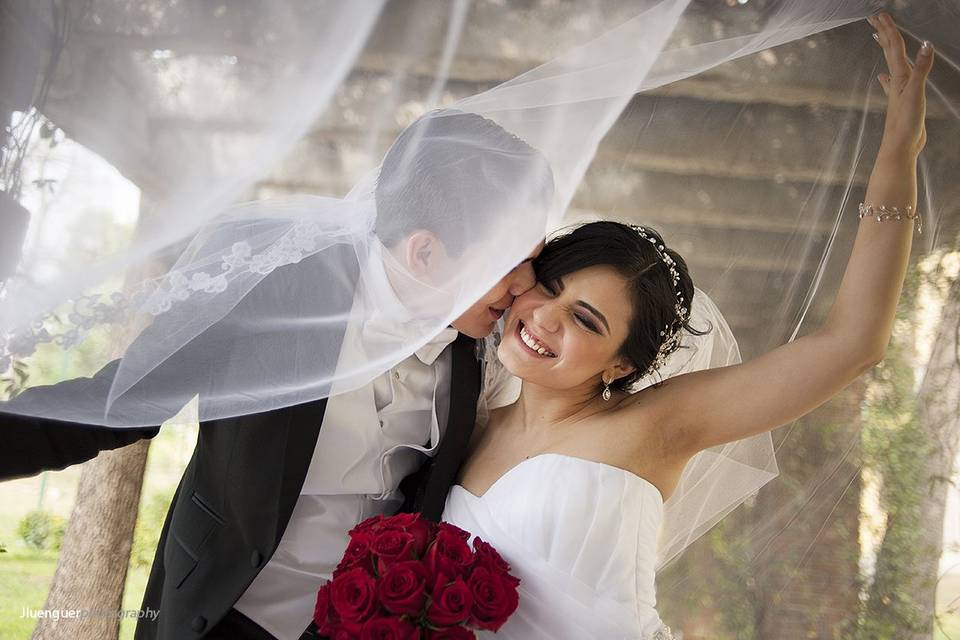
(596, 313)
(589, 307)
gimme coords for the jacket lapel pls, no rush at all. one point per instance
(302, 423)
(441, 472)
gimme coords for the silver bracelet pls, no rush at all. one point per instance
(883, 213)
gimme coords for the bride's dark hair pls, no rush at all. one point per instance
(648, 279)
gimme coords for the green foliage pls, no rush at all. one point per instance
(14, 381)
(146, 535)
(42, 531)
(896, 447)
(736, 581)
(710, 586)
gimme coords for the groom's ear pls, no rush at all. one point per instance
(421, 252)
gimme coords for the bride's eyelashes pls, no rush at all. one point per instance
(552, 288)
(586, 323)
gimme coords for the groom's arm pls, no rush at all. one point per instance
(31, 445)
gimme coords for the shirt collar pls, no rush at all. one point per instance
(391, 315)
(429, 352)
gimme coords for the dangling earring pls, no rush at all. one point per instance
(606, 391)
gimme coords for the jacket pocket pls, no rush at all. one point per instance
(194, 521)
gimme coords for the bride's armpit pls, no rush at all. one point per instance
(640, 438)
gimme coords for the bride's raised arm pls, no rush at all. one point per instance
(722, 405)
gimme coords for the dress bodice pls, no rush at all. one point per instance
(581, 536)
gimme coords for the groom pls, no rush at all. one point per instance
(261, 515)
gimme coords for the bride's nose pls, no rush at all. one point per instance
(547, 316)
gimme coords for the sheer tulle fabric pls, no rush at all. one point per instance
(288, 79)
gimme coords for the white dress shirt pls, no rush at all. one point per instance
(371, 438)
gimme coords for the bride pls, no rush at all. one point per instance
(569, 482)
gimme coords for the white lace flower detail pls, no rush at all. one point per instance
(159, 296)
(239, 253)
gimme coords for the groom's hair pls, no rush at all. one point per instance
(648, 279)
(456, 175)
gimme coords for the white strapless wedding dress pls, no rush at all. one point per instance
(581, 536)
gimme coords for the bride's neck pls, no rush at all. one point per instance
(540, 406)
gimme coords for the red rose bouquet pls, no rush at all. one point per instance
(407, 578)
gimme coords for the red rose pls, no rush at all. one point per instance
(347, 632)
(354, 595)
(392, 545)
(370, 524)
(357, 554)
(323, 614)
(453, 633)
(421, 529)
(387, 628)
(449, 554)
(451, 604)
(487, 556)
(494, 598)
(402, 588)
(446, 527)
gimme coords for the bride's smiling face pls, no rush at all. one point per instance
(568, 333)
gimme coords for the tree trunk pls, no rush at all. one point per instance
(95, 554)
(92, 568)
(940, 419)
(903, 594)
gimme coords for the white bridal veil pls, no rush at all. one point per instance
(278, 145)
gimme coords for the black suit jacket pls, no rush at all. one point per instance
(239, 489)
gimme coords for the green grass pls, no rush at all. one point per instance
(133, 598)
(24, 580)
(25, 574)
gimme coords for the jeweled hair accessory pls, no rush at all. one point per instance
(672, 332)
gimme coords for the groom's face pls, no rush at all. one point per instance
(480, 319)
(421, 269)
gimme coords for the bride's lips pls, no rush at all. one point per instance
(520, 330)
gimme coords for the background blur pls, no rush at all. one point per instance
(860, 535)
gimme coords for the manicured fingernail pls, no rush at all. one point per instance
(876, 37)
(926, 48)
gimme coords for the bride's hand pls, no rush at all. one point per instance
(905, 88)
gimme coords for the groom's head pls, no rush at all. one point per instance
(451, 182)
